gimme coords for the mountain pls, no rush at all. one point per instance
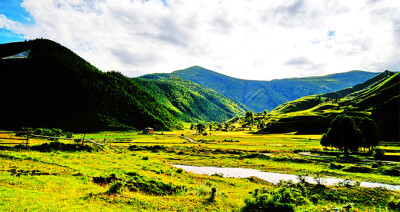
(308, 102)
(378, 98)
(189, 101)
(261, 95)
(50, 86)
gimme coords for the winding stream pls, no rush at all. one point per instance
(271, 176)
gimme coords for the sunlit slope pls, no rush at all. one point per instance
(189, 101)
(380, 101)
(54, 87)
(261, 95)
(308, 102)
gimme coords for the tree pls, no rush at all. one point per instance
(201, 128)
(249, 117)
(192, 127)
(228, 126)
(211, 125)
(371, 132)
(344, 135)
(324, 141)
(265, 112)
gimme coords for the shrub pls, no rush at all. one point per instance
(145, 157)
(335, 166)
(218, 175)
(266, 203)
(139, 183)
(212, 197)
(394, 171)
(394, 205)
(285, 198)
(360, 169)
(58, 146)
(290, 196)
(116, 187)
(179, 170)
(379, 154)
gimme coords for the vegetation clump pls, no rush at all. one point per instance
(347, 136)
(379, 154)
(136, 182)
(285, 198)
(59, 146)
(288, 195)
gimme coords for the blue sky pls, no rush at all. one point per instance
(12, 9)
(250, 39)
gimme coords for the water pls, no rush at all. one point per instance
(271, 176)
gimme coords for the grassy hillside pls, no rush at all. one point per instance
(379, 100)
(53, 87)
(308, 102)
(261, 95)
(189, 101)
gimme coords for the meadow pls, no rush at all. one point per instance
(133, 172)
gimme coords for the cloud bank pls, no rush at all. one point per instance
(250, 39)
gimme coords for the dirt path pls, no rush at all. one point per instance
(189, 139)
(316, 156)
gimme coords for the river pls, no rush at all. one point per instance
(271, 176)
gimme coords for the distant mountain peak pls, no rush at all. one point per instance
(261, 95)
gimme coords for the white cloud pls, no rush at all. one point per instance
(252, 39)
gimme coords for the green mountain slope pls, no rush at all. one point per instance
(308, 102)
(261, 95)
(53, 87)
(189, 101)
(379, 100)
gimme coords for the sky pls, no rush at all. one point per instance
(248, 39)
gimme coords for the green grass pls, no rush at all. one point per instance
(60, 180)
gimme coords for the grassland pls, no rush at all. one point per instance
(134, 172)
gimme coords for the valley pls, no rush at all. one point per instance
(73, 138)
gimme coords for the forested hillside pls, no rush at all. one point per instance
(189, 101)
(261, 95)
(53, 87)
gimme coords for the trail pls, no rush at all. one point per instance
(189, 139)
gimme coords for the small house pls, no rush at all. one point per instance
(148, 130)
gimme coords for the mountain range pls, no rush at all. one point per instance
(44, 84)
(261, 95)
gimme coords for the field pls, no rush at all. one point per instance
(133, 172)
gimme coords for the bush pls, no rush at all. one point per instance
(139, 183)
(116, 187)
(360, 169)
(379, 154)
(212, 197)
(394, 205)
(394, 171)
(285, 198)
(58, 146)
(179, 170)
(266, 203)
(136, 182)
